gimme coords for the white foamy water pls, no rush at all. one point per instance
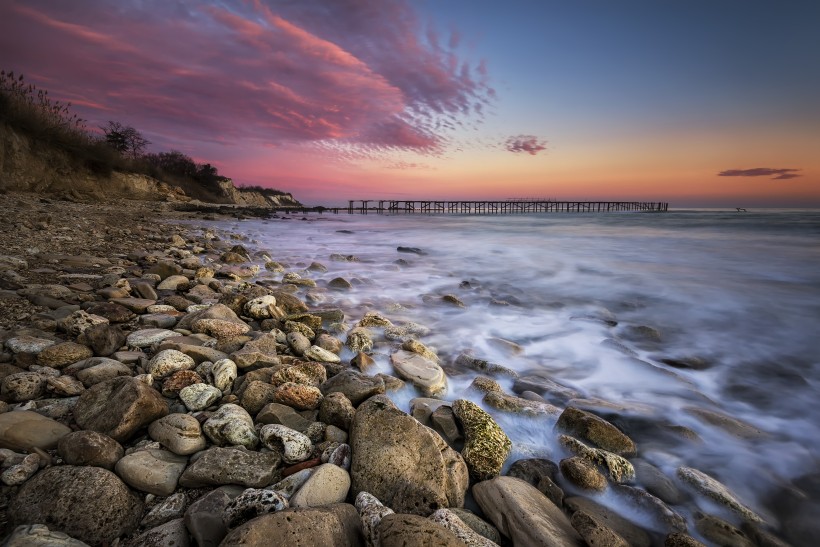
(740, 292)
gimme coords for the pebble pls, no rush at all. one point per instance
(322, 355)
(199, 396)
(328, 484)
(146, 338)
(169, 361)
(179, 433)
(423, 373)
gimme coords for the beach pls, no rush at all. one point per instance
(332, 379)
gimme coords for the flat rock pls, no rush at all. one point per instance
(338, 525)
(38, 535)
(217, 466)
(136, 305)
(119, 407)
(423, 373)
(24, 430)
(179, 433)
(450, 520)
(275, 413)
(407, 466)
(327, 485)
(152, 470)
(523, 514)
(594, 532)
(354, 385)
(88, 503)
(146, 338)
(101, 372)
(90, 448)
(632, 533)
(28, 344)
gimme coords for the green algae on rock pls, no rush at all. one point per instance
(486, 446)
(618, 468)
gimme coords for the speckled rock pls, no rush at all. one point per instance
(477, 524)
(721, 532)
(260, 308)
(663, 516)
(292, 483)
(64, 386)
(252, 503)
(203, 518)
(448, 519)
(178, 381)
(224, 372)
(19, 473)
(88, 503)
(421, 372)
(336, 409)
(336, 525)
(119, 407)
(146, 338)
(594, 429)
(632, 533)
(716, 491)
(170, 508)
(231, 425)
(179, 433)
(595, 532)
(677, 539)
(90, 448)
(103, 339)
(417, 347)
(220, 328)
(328, 484)
(217, 466)
(359, 339)
(486, 446)
(583, 474)
(404, 464)
(321, 355)
(371, 511)
(24, 430)
(399, 530)
(105, 370)
(354, 385)
(519, 405)
(523, 514)
(305, 373)
(38, 535)
(60, 355)
(618, 468)
(22, 386)
(199, 396)
(168, 362)
(78, 321)
(298, 396)
(172, 533)
(28, 344)
(151, 470)
(294, 446)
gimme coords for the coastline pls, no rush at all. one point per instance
(93, 249)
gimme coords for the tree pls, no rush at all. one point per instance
(125, 139)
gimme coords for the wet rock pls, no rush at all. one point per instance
(629, 531)
(60, 355)
(354, 385)
(231, 425)
(596, 430)
(727, 423)
(336, 525)
(656, 483)
(583, 474)
(713, 489)
(298, 396)
(252, 503)
(22, 386)
(339, 283)
(678, 539)
(119, 407)
(327, 485)
(179, 433)
(595, 533)
(151, 470)
(359, 339)
(88, 503)
(468, 361)
(417, 347)
(405, 332)
(217, 466)
(199, 396)
(292, 445)
(450, 520)
(518, 405)
(90, 448)
(523, 514)
(486, 446)
(421, 372)
(453, 300)
(664, 517)
(617, 468)
(404, 464)
(38, 535)
(362, 361)
(721, 532)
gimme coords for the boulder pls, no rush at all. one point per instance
(119, 407)
(327, 485)
(38, 535)
(90, 448)
(399, 530)
(217, 466)
(88, 503)
(24, 430)
(523, 514)
(336, 525)
(406, 465)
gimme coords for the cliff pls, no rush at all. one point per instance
(27, 166)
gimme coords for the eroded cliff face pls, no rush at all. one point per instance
(26, 166)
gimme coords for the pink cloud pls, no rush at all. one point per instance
(525, 143)
(357, 73)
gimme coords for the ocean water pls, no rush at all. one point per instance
(737, 295)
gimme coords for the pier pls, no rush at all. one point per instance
(500, 207)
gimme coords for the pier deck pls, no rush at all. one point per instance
(501, 207)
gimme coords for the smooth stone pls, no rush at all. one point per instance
(328, 484)
(717, 491)
(152, 470)
(169, 361)
(136, 305)
(115, 313)
(108, 370)
(354, 385)
(450, 520)
(632, 533)
(24, 430)
(321, 355)
(28, 344)
(231, 425)
(172, 534)
(38, 535)
(90, 448)
(298, 342)
(275, 413)
(523, 514)
(60, 355)
(336, 409)
(594, 429)
(404, 464)
(400, 530)
(173, 283)
(721, 532)
(337, 525)
(159, 320)
(663, 517)
(88, 503)
(477, 524)
(217, 466)
(486, 446)
(423, 373)
(179, 433)
(294, 446)
(252, 503)
(119, 407)
(292, 483)
(656, 482)
(199, 396)
(146, 338)
(204, 518)
(443, 421)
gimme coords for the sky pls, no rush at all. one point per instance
(696, 102)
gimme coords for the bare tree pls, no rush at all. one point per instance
(125, 139)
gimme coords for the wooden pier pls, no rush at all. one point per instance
(502, 207)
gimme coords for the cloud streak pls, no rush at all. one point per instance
(775, 174)
(525, 143)
(361, 73)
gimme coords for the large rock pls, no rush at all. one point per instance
(327, 485)
(717, 491)
(60, 355)
(401, 530)
(406, 465)
(38, 535)
(90, 448)
(203, 518)
(88, 503)
(423, 373)
(152, 470)
(217, 466)
(592, 428)
(354, 385)
(119, 407)
(24, 430)
(486, 446)
(338, 525)
(524, 514)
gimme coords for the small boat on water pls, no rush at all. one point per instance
(741, 210)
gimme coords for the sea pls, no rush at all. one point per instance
(695, 331)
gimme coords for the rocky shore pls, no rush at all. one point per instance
(156, 390)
